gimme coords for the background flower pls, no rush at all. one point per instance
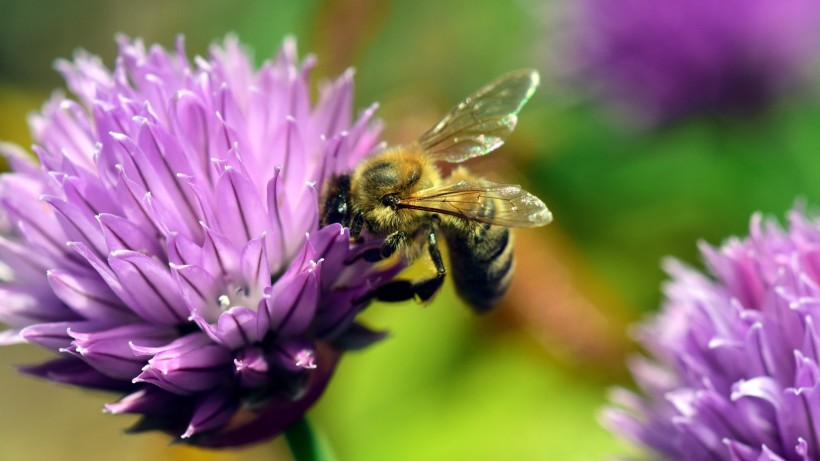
(167, 245)
(734, 370)
(664, 60)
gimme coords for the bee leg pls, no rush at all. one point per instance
(403, 290)
(356, 226)
(435, 254)
(392, 292)
(427, 288)
(392, 243)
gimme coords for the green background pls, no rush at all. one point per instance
(525, 382)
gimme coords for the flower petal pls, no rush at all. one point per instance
(252, 367)
(153, 290)
(109, 351)
(55, 335)
(292, 301)
(192, 363)
(74, 371)
(239, 203)
(90, 297)
(211, 413)
(235, 328)
(279, 413)
(122, 234)
(147, 401)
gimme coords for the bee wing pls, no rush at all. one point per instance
(481, 123)
(483, 201)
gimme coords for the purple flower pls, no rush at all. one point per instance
(735, 373)
(672, 58)
(167, 244)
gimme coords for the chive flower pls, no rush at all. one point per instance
(665, 60)
(733, 371)
(167, 244)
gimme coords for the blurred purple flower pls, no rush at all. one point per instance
(168, 242)
(736, 367)
(668, 59)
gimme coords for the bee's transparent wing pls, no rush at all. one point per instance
(483, 201)
(481, 123)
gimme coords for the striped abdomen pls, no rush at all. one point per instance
(481, 263)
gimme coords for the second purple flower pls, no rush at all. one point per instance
(664, 60)
(733, 373)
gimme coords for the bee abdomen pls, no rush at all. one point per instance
(482, 265)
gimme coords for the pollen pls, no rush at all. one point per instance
(224, 301)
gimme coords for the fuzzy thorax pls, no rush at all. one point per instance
(387, 177)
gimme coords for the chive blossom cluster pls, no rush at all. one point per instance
(167, 244)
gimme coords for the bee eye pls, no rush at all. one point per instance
(390, 201)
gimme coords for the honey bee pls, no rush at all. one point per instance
(399, 195)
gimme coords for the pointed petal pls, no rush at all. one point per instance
(104, 270)
(192, 122)
(183, 251)
(160, 163)
(88, 296)
(150, 284)
(190, 364)
(19, 160)
(200, 290)
(55, 335)
(254, 424)
(122, 234)
(74, 371)
(235, 328)
(109, 351)
(254, 263)
(252, 367)
(129, 196)
(295, 355)
(292, 302)
(78, 228)
(147, 401)
(335, 107)
(89, 196)
(27, 266)
(241, 212)
(211, 413)
(219, 255)
(21, 306)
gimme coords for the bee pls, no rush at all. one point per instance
(400, 195)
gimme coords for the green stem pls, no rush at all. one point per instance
(304, 444)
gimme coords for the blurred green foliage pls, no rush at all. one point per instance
(446, 385)
(440, 389)
(629, 198)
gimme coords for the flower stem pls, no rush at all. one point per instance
(305, 444)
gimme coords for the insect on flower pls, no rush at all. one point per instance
(400, 195)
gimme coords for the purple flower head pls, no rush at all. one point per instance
(672, 58)
(735, 368)
(168, 246)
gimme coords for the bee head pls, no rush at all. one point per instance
(386, 178)
(390, 201)
(380, 183)
(375, 183)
